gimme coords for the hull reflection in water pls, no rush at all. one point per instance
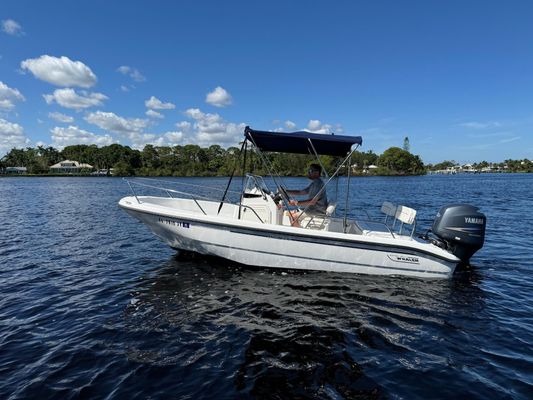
(291, 334)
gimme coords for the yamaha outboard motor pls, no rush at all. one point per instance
(462, 229)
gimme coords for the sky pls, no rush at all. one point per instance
(455, 77)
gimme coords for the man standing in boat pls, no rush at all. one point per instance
(316, 201)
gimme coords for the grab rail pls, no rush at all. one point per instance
(186, 184)
(168, 191)
(192, 196)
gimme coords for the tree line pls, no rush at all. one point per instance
(193, 160)
(509, 165)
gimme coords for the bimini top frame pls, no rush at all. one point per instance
(306, 143)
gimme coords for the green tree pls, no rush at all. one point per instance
(396, 161)
(361, 160)
(123, 168)
(443, 165)
(406, 144)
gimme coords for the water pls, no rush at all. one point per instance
(92, 305)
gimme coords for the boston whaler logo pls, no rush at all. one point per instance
(473, 220)
(404, 259)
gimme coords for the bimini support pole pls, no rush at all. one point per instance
(347, 193)
(349, 156)
(245, 144)
(318, 158)
(229, 181)
(271, 173)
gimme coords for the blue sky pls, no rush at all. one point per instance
(456, 77)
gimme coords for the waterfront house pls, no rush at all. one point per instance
(468, 168)
(69, 167)
(15, 170)
(369, 169)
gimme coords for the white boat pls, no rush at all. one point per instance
(256, 231)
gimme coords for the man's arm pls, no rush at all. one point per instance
(297, 192)
(307, 202)
(311, 191)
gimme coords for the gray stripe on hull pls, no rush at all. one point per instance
(323, 260)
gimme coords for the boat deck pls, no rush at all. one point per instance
(369, 228)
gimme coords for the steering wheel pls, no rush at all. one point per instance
(284, 193)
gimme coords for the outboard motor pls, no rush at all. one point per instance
(462, 228)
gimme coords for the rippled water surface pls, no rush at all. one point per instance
(92, 305)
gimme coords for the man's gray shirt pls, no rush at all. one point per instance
(322, 201)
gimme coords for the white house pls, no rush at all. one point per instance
(16, 170)
(68, 166)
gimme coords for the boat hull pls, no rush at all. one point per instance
(292, 248)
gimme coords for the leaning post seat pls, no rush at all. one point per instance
(330, 210)
(320, 221)
(407, 216)
(389, 210)
(402, 214)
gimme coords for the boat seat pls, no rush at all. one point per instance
(406, 216)
(320, 221)
(374, 228)
(377, 227)
(330, 210)
(402, 214)
(389, 209)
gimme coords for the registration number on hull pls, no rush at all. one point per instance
(172, 222)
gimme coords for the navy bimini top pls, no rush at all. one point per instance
(299, 142)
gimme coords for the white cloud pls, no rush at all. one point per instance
(290, 124)
(68, 98)
(139, 140)
(62, 136)
(213, 129)
(195, 113)
(511, 139)
(133, 129)
(8, 96)
(133, 73)
(154, 114)
(486, 135)
(166, 139)
(184, 126)
(219, 97)
(481, 125)
(57, 116)
(315, 126)
(155, 104)
(109, 121)
(11, 136)
(60, 71)
(12, 27)
(174, 137)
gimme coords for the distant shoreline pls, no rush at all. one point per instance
(226, 176)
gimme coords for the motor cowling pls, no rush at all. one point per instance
(462, 228)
